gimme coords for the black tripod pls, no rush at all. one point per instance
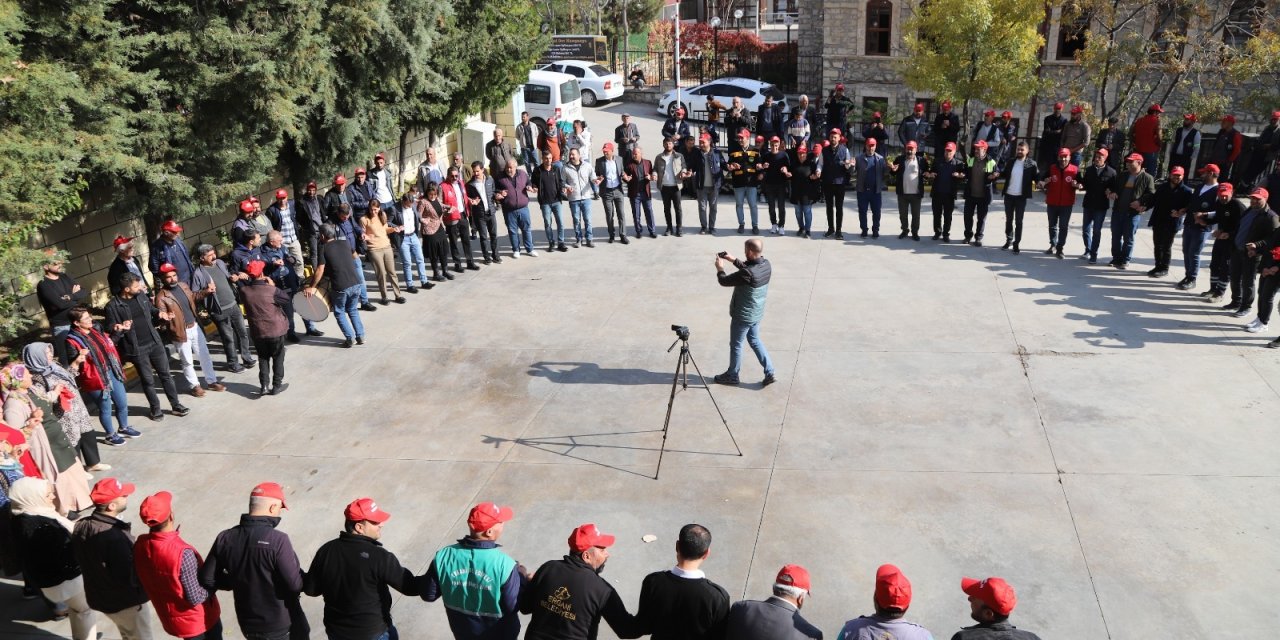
(681, 377)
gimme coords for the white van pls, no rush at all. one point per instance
(549, 95)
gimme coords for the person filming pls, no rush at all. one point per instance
(750, 286)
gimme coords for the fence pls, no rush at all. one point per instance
(778, 66)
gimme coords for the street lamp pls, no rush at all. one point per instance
(788, 20)
(737, 18)
(715, 39)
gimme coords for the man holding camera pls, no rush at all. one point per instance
(750, 286)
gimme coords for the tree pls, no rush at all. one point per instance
(968, 50)
(614, 19)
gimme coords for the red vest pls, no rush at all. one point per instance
(157, 558)
(1060, 193)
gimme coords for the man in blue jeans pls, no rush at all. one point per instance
(750, 286)
(344, 283)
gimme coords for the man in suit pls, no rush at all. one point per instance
(609, 184)
(869, 174)
(499, 154)
(778, 617)
(708, 175)
(1022, 172)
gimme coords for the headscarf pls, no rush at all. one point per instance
(36, 357)
(11, 377)
(30, 496)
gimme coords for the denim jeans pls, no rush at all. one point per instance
(804, 216)
(749, 194)
(60, 341)
(1091, 228)
(113, 401)
(1059, 222)
(364, 286)
(1123, 228)
(642, 204)
(547, 211)
(520, 229)
(1193, 239)
(871, 199)
(346, 310)
(580, 211)
(410, 254)
(750, 332)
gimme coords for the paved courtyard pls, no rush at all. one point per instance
(1099, 439)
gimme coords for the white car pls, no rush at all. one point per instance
(694, 99)
(597, 82)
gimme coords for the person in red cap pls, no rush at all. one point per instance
(282, 214)
(1184, 149)
(338, 195)
(1226, 212)
(1130, 195)
(124, 262)
(1269, 268)
(946, 128)
(1265, 153)
(990, 603)
(805, 176)
(265, 308)
(773, 165)
(354, 574)
(914, 127)
(910, 169)
(892, 599)
(946, 174)
(837, 108)
(130, 321)
(777, 617)
(250, 218)
(1097, 179)
(309, 215)
(256, 562)
(1227, 147)
(836, 167)
(567, 598)
(1147, 138)
(869, 173)
(479, 583)
(681, 603)
(1051, 135)
(1112, 139)
(176, 306)
(168, 568)
(875, 130)
(989, 131)
(639, 176)
(1257, 224)
(1022, 173)
(1076, 135)
(980, 174)
(1059, 183)
(168, 248)
(742, 166)
(1169, 204)
(610, 169)
(1195, 233)
(1008, 137)
(103, 547)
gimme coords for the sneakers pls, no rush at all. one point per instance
(773, 229)
(1186, 284)
(742, 229)
(1274, 344)
(180, 411)
(516, 254)
(902, 236)
(130, 432)
(532, 253)
(115, 440)
(768, 380)
(1006, 245)
(1256, 326)
(724, 378)
(755, 231)
(360, 340)
(559, 247)
(1241, 313)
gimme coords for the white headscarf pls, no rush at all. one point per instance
(30, 496)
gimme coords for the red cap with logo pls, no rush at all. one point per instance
(121, 240)
(246, 206)
(109, 489)
(281, 194)
(773, 139)
(312, 185)
(1007, 114)
(1190, 116)
(951, 146)
(1133, 157)
(1177, 171)
(1057, 106)
(744, 133)
(793, 575)
(989, 112)
(871, 142)
(487, 514)
(1261, 193)
(946, 104)
(981, 144)
(1064, 153)
(168, 268)
(1103, 152)
(587, 536)
(893, 590)
(993, 592)
(759, 139)
(839, 86)
(1210, 168)
(156, 509)
(1155, 108)
(919, 106)
(1225, 189)
(254, 268)
(1075, 108)
(911, 144)
(1229, 119)
(360, 171)
(269, 489)
(339, 179)
(802, 149)
(365, 509)
(171, 227)
(834, 132)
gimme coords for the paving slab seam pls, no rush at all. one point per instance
(1023, 361)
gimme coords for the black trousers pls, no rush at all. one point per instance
(487, 229)
(270, 360)
(234, 334)
(1220, 265)
(944, 205)
(152, 362)
(312, 243)
(670, 200)
(1162, 236)
(1244, 278)
(1015, 207)
(89, 448)
(975, 207)
(1267, 288)
(833, 196)
(776, 196)
(460, 243)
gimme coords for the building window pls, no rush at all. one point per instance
(879, 27)
(1243, 21)
(1073, 31)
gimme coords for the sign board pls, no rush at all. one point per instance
(590, 48)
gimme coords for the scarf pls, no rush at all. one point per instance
(30, 497)
(36, 357)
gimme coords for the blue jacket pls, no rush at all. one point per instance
(360, 195)
(174, 253)
(699, 167)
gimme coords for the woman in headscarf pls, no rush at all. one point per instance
(46, 374)
(43, 539)
(10, 472)
(53, 453)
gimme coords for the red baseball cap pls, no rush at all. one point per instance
(109, 489)
(365, 509)
(989, 112)
(1260, 193)
(1229, 118)
(951, 146)
(379, 155)
(1210, 168)
(253, 199)
(608, 146)
(156, 509)
(312, 185)
(360, 171)
(1007, 114)
(168, 268)
(680, 112)
(773, 139)
(171, 227)
(1134, 157)
(981, 144)
(339, 179)
(1155, 108)
(587, 536)
(1190, 116)
(254, 268)
(246, 206)
(893, 590)
(1177, 171)
(1064, 153)
(1103, 152)
(911, 144)
(793, 575)
(486, 514)
(802, 149)
(1226, 189)
(281, 194)
(744, 133)
(946, 104)
(268, 489)
(839, 86)
(1275, 114)
(121, 240)
(876, 116)
(835, 130)
(759, 139)
(1058, 106)
(919, 106)
(871, 142)
(993, 592)
(1075, 108)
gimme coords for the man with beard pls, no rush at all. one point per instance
(1169, 204)
(567, 598)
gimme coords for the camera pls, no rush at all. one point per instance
(682, 331)
(723, 254)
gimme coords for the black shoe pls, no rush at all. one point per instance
(611, 238)
(679, 234)
(653, 235)
(1274, 344)
(559, 247)
(235, 368)
(383, 302)
(1049, 251)
(830, 233)
(278, 389)
(755, 231)
(1152, 273)
(1016, 250)
(250, 363)
(768, 380)
(401, 300)
(156, 415)
(1161, 273)
(1059, 254)
(457, 268)
(368, 307)
(915, 237)
(724, 378)
(1241, 313)
(946, 237)
(292, 338)
(347, 344)
(1231, 306)
(427, 286)
(591, 245)
(486, 260)
(875, 234)
(415, 289)
(180, 411)
(902, 236)
(315, 333)
(864, 233)
(976, 242)
(742, 229)
(1006, 245)
(448, 276)
(667, 232)
(360, 340)
(937, 235)
(1122, 266)
(624, 240)
(262, 391)
(1187, 284)
(474, 267)
(497, 260)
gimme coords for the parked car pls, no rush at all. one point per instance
(597, 82)
(694, 99)
(552, 96)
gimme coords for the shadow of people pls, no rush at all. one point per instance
(592, 373)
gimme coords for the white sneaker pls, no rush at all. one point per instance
(781, 231)
(774, 230)
(1255, 327)
(515, 254)
(531, 253)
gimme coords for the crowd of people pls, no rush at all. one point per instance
(96, 566)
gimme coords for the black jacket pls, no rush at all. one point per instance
(257, 563)
(1096, 182)
(679, 608)
(474, 192)
(353, 574)
(1227, 215)
(567, 598)
(994, 631)
(1030, 172)
(1168, 199)
(309, 214)
(120, 267)
(1261, 228)
(45, 549)
(117, 311)
(103, 547)
(769, 120)
(902, 168)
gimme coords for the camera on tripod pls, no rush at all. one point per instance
(682, 332)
